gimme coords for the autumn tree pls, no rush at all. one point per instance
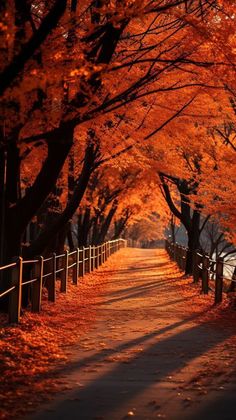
(66, 64)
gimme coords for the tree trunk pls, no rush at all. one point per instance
(106, 224)
(193, 241)
(84, 225)
(44, 183)
(2, 202)
(14, 68)
(120, 226)
(11, 244)
(70, 236)
(49, 232)
(172, 229)
(232, 286)
(95, 229)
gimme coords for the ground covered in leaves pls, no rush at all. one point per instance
(135, 338)
(31, 351)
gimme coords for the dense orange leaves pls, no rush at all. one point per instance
(152, 102)
(37, 352)
(147, 84)
(34, 353)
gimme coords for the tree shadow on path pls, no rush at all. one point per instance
(159, 359)
(141, 290)
(121, 375)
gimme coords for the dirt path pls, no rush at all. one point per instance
(152, 353)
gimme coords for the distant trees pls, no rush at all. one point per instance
(190, 218)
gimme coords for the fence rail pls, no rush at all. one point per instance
(42, 272)
(209, 271)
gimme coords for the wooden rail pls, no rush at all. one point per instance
(45, 271)
(209, 271)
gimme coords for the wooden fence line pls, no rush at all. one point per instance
(204, 269)
(45, 272)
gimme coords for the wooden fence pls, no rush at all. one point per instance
(42, 272)
(209, 271)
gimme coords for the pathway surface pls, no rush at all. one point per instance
(149, 354)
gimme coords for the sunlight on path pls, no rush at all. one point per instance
(151, 353)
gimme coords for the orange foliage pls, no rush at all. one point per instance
(34, 352)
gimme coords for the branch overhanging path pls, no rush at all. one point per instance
(152, 352)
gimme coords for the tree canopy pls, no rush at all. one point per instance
(115, 114)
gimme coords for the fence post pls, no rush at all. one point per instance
(83, 260)
(177, 254)
(196, 268)
(219, 280)
(96, 257)
(15, 295)
(36, 287)
(52, 280)
(64, 276)
(89, 259)
(76, 268)
(205, 275)
(99, 255)
(86, 261)
(80, 263)
(106, 250)
(182, 258)
(101, 250)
